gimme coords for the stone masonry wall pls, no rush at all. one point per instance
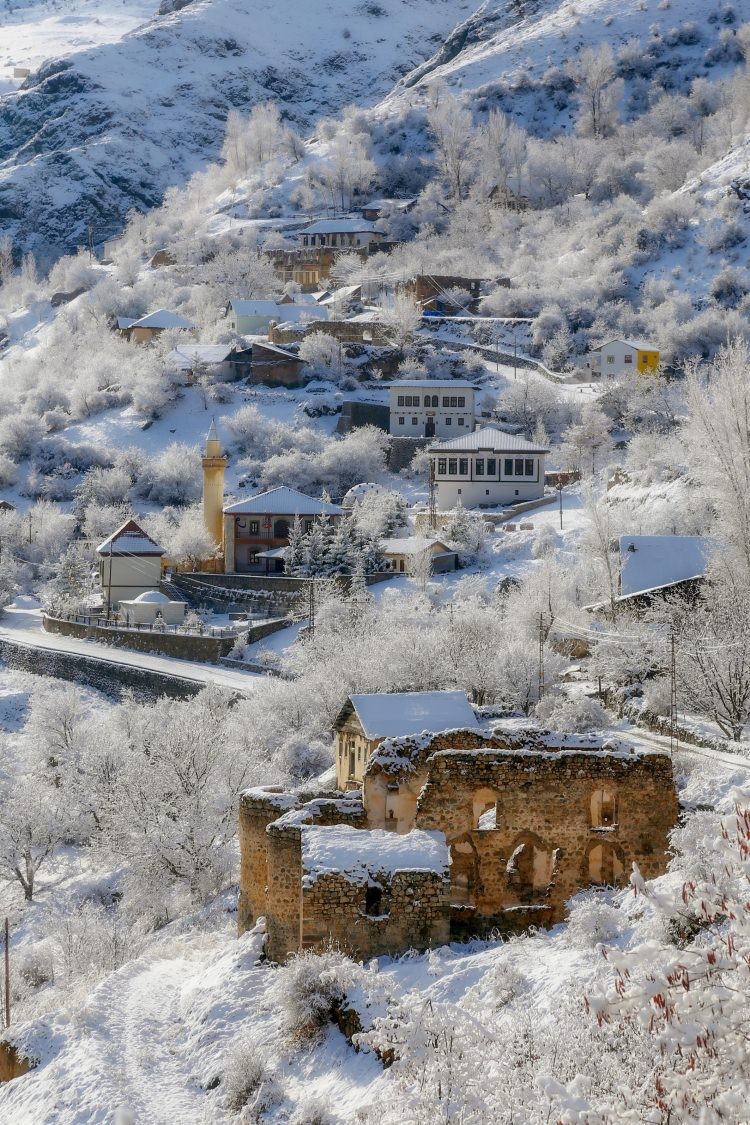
(180, 645)
(544, 818)
(284, 891)
(415, 914)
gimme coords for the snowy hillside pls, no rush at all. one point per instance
(97, 132)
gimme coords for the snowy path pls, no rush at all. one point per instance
(23, 625)
(659, 742)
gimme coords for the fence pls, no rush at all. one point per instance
(116, 623)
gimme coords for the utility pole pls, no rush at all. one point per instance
(515, 352)
(91, 242)
(311, 608)
(541, 655)
(559, 494)
(433, 509)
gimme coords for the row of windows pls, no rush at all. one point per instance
(446, 421)
(432, 400)
(512, 466)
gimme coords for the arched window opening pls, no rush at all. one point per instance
(529, 870)
(605, 866)
(464, 873)
(603, 808)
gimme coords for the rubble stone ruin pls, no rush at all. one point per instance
(452, 835)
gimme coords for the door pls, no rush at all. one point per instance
(429, 430)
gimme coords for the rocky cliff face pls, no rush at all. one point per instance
(94, 134)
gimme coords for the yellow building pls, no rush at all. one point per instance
(214, 467)
(620, 357)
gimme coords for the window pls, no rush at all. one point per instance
(460, 421)
(449, 421)
(281, 529)
(628, 358)
(529, 467)
(427, 400)
(446, 401)
(434, 400)
(603, 808)
(491, 466)
(454, 400)
(452, 466)
(463, 466)
(401, 421)
(415, 421)
(518, 467)
(442, 463)
(254, 527)
(610, 359)
(480, 466)
(374, 901)
(400, 400)
(461, 400)
(508, 470)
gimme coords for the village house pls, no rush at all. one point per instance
(253, 318)
(654, 567)
(487, 468)
(226, 362)
(403, 555)
(623, 357)
(454, 833)
(129, 564)
(431, 408)
(262, 523)
(365, 720)
(276, 367)
(146, 329)
(374, 207)
(432, 293)
(340, 234)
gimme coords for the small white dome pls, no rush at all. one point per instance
(153, 596)
(359, 491)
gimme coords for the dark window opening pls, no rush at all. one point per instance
(374, 901)
(508, 470)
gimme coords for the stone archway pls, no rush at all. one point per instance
(606, 864)
(464, 872)
(530, 868)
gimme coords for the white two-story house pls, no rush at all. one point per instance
(487, 468)
(431, 408)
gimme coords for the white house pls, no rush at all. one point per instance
(431, 408)
(616, 358)
(487, 468)
(252, 318)
(129, 564)
(340, 234)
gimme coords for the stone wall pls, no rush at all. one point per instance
(182, 646)
(546, 843)
(97, 672)
(414, 914)
(283, 891)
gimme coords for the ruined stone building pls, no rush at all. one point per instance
(452, 835)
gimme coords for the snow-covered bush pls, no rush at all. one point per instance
(174, 477)
(309, 988)
(571, 712)
(245, 1081)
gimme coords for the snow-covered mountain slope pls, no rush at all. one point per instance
(94, 133)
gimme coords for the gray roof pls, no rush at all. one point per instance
(491, 440)
(341, 226)
(284, 501)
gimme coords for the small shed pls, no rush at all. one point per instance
(276, 367)
(145, 609)
(401, 554)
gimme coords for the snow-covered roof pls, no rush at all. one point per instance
(130, 539)
(284, 501)
(648, 562)
(274, 553)
(639, 345)
(360, 854)
(451, 384)
(284, 352)
(293, 314)
(162, 318)
(153, 597)
(359, 491)
(411, 545)
(412, 712)
(125, 322)
(255, 308)
(341, 226)
(344, 293)
(491, 440)
(190, 354)
(379, 204)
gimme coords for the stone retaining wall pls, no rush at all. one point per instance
(104, 675)
(182, 646)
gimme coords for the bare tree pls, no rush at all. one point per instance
(594, 72)
(452, 127)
